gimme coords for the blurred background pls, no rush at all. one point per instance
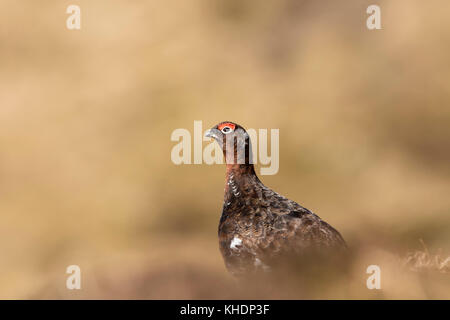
(86, 117)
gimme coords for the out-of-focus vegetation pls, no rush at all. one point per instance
(86, 117)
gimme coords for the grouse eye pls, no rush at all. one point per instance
(226, 129)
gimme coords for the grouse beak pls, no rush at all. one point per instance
(212, 133)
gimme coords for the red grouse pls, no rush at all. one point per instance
(259, 227)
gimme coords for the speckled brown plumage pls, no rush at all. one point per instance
(258, 227)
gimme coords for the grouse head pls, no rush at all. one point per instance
(234, 141)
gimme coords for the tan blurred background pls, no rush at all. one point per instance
(86, 117)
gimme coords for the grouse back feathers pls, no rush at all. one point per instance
(259, 227)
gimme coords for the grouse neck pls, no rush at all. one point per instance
(239, 180)
(240, 170)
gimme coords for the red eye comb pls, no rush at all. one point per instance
(226, 124)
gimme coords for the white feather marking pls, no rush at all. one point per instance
(234, 187)
(235, 242)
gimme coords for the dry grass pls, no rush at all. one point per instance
(423, 260)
